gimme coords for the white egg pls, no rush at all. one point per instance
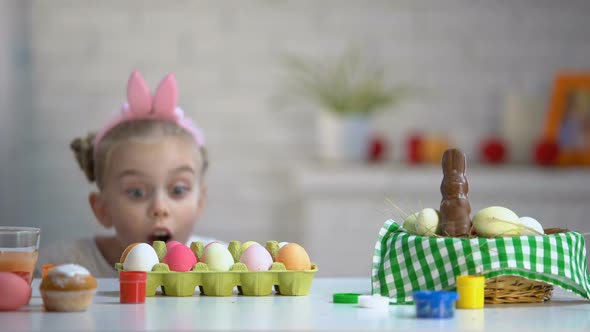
(282, 244)
(217, 257)
(533, 227)
(426, 222)
(141, 257)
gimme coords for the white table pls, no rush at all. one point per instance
(313, 312)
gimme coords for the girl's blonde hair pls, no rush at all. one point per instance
(95, 169)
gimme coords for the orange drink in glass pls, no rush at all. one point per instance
(19, 248)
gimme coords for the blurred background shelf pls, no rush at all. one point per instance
(343, 207)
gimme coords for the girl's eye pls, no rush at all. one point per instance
(136, 192)
(180, 190)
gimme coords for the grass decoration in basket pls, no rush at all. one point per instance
(520, 260)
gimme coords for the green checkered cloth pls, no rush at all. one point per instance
(403, 263)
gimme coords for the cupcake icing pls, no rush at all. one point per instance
(69, 270)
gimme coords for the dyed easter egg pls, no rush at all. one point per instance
(217, 257)
(180, 258)
(14, 291)
(247, 244)
(256, 258)
(171, 244)
(141, 257)
(126, 251)
(294, 257)
(496, 221)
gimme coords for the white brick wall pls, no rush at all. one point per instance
(467, 54)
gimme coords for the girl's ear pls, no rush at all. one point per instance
(98, 206)
(202, 200)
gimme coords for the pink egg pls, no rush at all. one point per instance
(256, 258)
(15, 292)
(180, 258)
(171, 244)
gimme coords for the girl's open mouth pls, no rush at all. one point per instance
(160, 235)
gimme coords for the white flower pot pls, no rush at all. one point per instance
(342, 137)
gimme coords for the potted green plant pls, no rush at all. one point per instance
(348, 91)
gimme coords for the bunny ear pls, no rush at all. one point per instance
(138, 94)
(166, 96)
(454, 160)
(460, 161)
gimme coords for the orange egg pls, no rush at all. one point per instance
(126, 252)
(294, 257)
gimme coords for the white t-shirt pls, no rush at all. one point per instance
(86, 253)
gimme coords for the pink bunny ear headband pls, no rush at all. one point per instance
(142, 105)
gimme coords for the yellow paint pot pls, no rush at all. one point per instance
(471, 292)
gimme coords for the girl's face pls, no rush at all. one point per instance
(151, 191)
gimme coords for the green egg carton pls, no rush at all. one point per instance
(215, 283)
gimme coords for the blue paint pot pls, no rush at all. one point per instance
(435, 304)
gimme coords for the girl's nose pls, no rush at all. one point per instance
(160, 213)
(160, 208)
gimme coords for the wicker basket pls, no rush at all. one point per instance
(515, 289)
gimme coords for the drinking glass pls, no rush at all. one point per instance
(19, 248)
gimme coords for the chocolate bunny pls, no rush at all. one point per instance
(455, 209)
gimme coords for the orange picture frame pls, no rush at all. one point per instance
(568, 120)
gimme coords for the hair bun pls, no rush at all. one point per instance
(83, 150)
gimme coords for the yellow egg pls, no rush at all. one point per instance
(294, 257)
(496, 221)
(410, 223)
(217, 257)
(426, 222)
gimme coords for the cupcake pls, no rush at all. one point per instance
(67, 287)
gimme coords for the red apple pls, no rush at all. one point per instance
(546, 152)
(493, 150)
(377, 147)
(414, 149)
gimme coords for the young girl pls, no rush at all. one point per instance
(148, 164)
